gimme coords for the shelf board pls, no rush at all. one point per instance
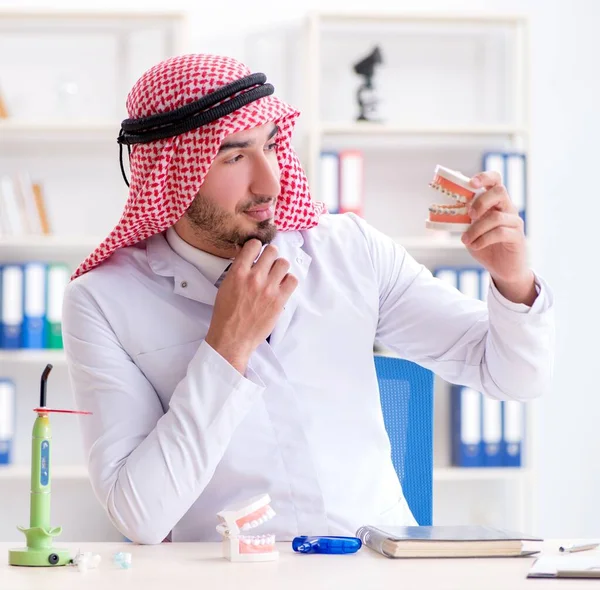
(387, 18)
(48, 244)
(439, 242)
(14, 130)
(434, 243)
(141, 14)
(383, 129)
(18, 472)
(439, 473)
(55, 356)
(479, 473)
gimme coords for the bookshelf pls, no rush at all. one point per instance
(76, 158)
(62, 125)
(451, 87)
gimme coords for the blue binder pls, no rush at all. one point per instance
(485, 284)
(491, 432)
(448, 274)
(512, 166)
(478, 443)
(473, 281)
(7, 420)
(513, 428)
(11, 306)
(469, 281)
(467, 446)
(34, 308)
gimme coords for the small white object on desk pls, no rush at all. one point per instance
(87, 560)
(122, 560)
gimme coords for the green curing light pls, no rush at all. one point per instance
(39, 551)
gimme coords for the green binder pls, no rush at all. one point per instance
(57, 279)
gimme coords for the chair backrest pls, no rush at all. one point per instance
(406, 391)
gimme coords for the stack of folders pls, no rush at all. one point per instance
(512, 166)
(484, 432)
(7, 419)
(447, 541)
(341, 181)
(31, 296)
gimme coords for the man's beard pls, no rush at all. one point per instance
(219, 228)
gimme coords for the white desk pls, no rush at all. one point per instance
(201, 567)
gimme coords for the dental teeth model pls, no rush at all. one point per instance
(454, 217)
(236, 519)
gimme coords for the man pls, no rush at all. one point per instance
(222, 334)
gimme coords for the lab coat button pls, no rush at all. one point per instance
(183, 284)
(299, 260)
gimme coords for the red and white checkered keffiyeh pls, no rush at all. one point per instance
(166, 174)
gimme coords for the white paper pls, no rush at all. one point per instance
(550, 565)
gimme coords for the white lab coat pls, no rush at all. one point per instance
(177, 434)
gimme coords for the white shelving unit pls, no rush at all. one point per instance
(64, 120)
(451, 87)
(76, 158)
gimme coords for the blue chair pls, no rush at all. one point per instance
(406, 391)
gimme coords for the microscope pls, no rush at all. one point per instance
(366, 95)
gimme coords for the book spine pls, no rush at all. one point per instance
(373, 538)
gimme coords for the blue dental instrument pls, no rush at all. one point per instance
(330, 545)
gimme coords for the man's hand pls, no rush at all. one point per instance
(249, 301)
(496, 239)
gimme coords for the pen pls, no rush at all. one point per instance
(575, 548)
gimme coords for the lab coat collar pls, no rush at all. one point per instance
(188, 281)
(191, 283)
(211, 266)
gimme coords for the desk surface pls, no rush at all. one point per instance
(201, 565)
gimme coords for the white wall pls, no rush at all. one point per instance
(566, 128)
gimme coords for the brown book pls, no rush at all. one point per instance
(445, 541)
(3, 109)
(41, 208)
